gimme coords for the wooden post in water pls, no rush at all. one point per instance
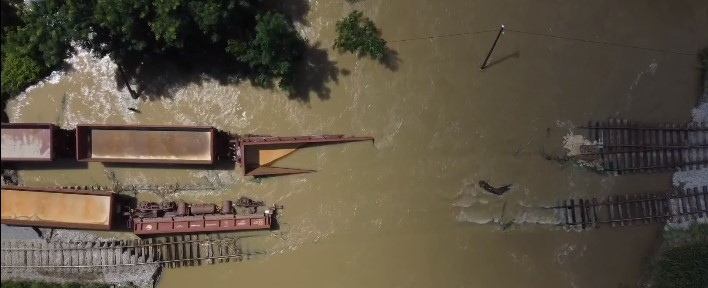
(484, 64)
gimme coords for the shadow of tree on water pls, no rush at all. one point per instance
(158, 78)
(314, 71)
(155, 77)
(390, 59)
(161, 77)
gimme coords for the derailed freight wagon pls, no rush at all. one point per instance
(154, 144)
(99, 210)
(28, 142)
(180, 217)
(146, 144)
(58, 208)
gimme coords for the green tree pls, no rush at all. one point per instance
(43, 36)
(271, 52)
(18, 72)
(358, 34)
(9, 15)
(33, 46)
(203, 33)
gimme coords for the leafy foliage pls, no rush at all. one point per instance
(203, 33)
(684, 266)
(18, 72)
(272, 51)
(358, 34)
(43, 36)
(9, 16)
(33, 44)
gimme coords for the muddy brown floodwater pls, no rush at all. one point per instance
(406, 211)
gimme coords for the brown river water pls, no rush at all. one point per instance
(405, 211)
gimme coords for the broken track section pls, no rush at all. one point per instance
(619, 211)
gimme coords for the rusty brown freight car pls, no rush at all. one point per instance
(145, 144)
(60, 208)
(200, 224)
(175, 218)
(257, 154)
(28, 141)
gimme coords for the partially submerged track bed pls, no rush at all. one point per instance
(171, 252)
(628, 210)
(624, 147)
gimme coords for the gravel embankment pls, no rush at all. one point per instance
(144, 275)
(699, 177)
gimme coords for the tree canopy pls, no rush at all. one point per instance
(358, 34)
(271, 52)
(239, 34)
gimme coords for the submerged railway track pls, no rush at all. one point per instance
(628, 210)
(169, 252)
(624, 147)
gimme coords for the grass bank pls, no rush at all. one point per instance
(682, 259)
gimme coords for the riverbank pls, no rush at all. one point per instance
(681, 260)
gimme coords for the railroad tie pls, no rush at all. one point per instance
(582, 213)
(171, 252)
(134, 247)
(686, 207)
(704, 200)
(188, 251)
(572, 212)
(595, 207)
(209, 251)
(651, 208)
(194, 250)
(678, 212)
(180, 252)
(692, 195)
(587, 208)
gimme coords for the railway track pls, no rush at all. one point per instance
(623, 147)
(170, 252)
(618, 211)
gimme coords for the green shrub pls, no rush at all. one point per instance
(358, 34)
(18, 72)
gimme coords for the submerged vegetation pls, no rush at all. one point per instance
(225, 37)
(683, 261)
(358, 34)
